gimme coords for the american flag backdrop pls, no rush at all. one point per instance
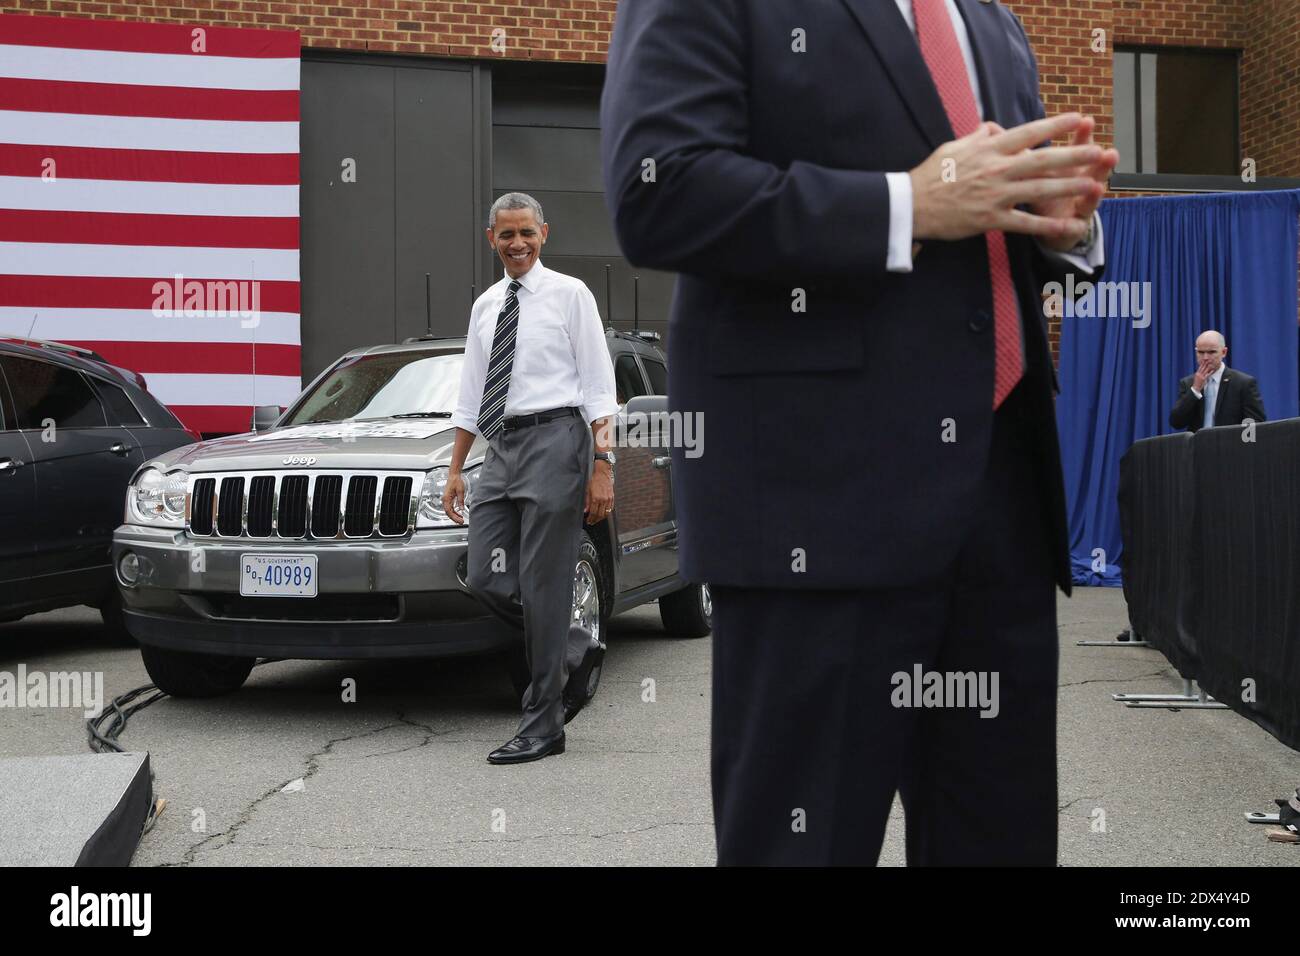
(139, 161)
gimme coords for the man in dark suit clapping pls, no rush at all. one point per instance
(862, 229)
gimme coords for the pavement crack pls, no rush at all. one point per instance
(430, 734)
(1162, 672)
(1065, 806)
(246, 815)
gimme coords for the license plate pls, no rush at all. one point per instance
(277, 575)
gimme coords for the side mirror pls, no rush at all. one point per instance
(648, 405)
(264, 417)
(644, 411)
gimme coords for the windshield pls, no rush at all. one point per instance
(412, 384)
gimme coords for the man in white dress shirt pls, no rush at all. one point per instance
(538, 385)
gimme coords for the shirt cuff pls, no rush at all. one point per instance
(1084, 259)
(1196, 393)
(460, 421)
(594, 411)
(899, 258)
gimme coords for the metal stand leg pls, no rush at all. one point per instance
(1253, 817)
(1192, 698)
(1135, 640)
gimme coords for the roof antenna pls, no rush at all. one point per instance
(636, 303)
(428, 306)
(609, 305)
(33, 325)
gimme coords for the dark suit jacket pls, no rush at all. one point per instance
(1238, 399)
(824, 464)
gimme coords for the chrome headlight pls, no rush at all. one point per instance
(430, 514)
(156, 498)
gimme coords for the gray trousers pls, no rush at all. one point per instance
(524, 531)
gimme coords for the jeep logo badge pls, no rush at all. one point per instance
(297, 460)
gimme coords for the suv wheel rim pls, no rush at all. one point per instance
(586, 598)
(706, 602)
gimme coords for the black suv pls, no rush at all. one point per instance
(73, 429)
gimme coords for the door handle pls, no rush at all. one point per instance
(120, 448)
(11, 464)
(664, 462)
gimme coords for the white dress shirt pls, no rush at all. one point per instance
(899, 258)
(560, 353)
(1211, 396)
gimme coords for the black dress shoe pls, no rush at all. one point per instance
(524, 749)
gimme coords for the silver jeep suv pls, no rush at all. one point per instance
(322, 535)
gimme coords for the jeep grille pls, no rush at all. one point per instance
(303, 504)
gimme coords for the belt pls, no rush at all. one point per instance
(511, 422)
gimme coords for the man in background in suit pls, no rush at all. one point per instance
(1215, 394)
(862, 230)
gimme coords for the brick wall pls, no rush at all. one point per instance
(1074, 71)
(1270, 86)
(1211, 23)
(572, 30)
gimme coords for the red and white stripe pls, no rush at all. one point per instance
(166, 162)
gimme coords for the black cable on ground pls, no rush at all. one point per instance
(104, 739)
(104, 730)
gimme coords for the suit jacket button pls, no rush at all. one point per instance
(981, 321)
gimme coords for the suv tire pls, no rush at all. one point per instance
(110, 611)
(186, 674)
(687, 613)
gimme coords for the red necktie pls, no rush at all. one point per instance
(938, 39)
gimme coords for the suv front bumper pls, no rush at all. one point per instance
(402, 597)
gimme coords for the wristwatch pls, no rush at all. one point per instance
(606, 456)
(1083, 245)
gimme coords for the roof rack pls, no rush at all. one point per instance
(50, 344)
(641, 335)
(77, 351)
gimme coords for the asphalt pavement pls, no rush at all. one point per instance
(287, 772)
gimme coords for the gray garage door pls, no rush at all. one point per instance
(546, 142)
(401, 158)
(409, 130)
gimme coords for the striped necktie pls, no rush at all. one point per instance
(942, 53)
(492, 410)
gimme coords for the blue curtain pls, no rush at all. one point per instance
(1224, 261)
